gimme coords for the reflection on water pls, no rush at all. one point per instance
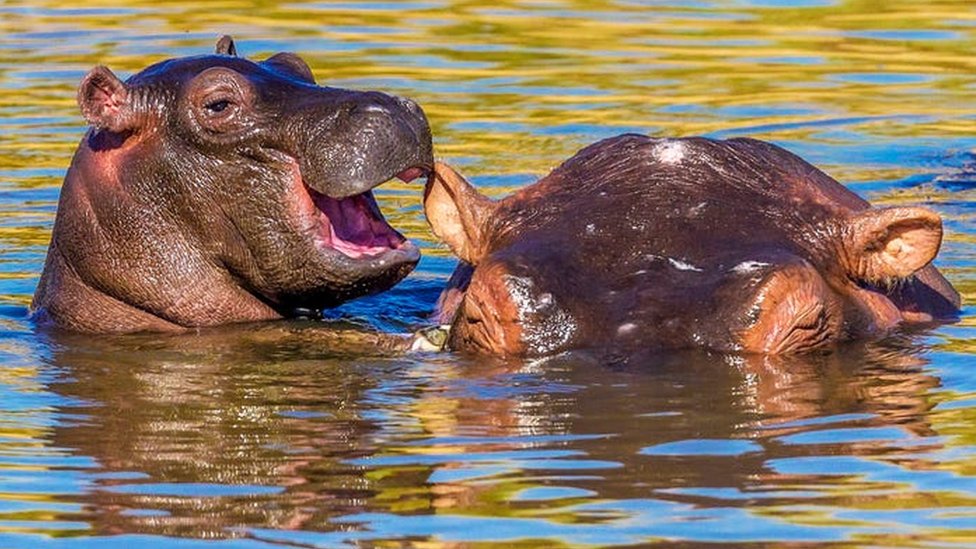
(230, 436)
(286, 435)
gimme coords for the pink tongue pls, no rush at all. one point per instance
(354, 230)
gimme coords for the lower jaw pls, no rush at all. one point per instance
(371, 258)
(387, 272)
(360, 252)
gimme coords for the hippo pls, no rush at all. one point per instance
(647, 243)
(214, 189)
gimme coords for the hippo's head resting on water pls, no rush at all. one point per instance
(214, 189)
(648, 243)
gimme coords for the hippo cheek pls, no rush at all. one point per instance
(792, 310)
(508, 314)
(487, 320)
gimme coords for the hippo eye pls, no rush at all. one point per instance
(218, 106)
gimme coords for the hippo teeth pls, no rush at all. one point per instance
(354, 225)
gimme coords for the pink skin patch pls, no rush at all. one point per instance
(354, 226)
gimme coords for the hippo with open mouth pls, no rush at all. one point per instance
(658, 244)
(214, 189)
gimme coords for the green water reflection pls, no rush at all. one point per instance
(277, 436)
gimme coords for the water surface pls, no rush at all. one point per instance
(276, 436)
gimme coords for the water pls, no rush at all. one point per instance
(259, 438)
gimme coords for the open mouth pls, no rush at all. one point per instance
(354, 226)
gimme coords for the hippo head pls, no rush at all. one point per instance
(216, 189)
(660, 244)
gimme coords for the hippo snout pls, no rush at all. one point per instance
(379, 137)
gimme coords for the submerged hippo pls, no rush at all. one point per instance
(214, 189)
(649, 243)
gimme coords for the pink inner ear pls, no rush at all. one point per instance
(102, 98)
(892, 243)
(457, 212)
(911, 246)
(105, 100)
(107, 97)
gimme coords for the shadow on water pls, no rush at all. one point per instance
(272, 433)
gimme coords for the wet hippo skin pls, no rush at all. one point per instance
(643, 243)
(214, 189)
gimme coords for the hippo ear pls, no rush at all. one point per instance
(104, 100)
(457, 212)
(891, 243)
(290, 64)
(226, 46)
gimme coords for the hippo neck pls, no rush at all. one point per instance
(65, 300)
